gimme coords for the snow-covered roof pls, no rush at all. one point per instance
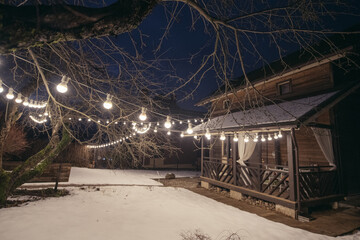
(282, 113)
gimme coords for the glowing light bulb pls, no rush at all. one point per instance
(189, 130)
(269, 137)
(143, 116)
(256, 138)
(89, 120)
(168, 122)
(222, 136)
(1, 87)
(263, 138)
(235, 139)
(207, 134)
(246, 139)
(195, 136)
(182, 134)
(168, 133)
(10, 94)
(62, 86)
(280, 135)
(107, 121)
(275, 136)
(18, 98)
(26, 101)
(155, 129)
(180, 122)
(80, 119)
(108, 104)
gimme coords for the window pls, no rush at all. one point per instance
(284, 87)
(226, 104)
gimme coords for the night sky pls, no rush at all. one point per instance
(182, 42)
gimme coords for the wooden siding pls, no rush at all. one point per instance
(303, 83)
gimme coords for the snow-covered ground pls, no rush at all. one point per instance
(125, 177)
(136, 212)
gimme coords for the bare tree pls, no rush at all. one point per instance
(57, 40)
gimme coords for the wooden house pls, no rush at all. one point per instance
(293, 141)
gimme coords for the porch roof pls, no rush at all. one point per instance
(289, 114)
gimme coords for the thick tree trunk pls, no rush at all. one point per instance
(27, 26)
(34, 166)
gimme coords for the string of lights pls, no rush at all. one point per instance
(19, 97)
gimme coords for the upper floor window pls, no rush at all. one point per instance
(284, 87)
(226, 104)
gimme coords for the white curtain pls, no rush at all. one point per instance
(323, 138)
(246, 149)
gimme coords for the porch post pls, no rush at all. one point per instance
(202, 156)
(291, 165)
(234, 161)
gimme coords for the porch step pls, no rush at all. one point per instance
(305, 218)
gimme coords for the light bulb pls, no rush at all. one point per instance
(168, 133)
(189, 130)
(246, 139)
(263, 138)
(80, 119)
(36, 104)
(256, 138)
(235, 139)
(222, 136)
(1, 87)
(26, 102)
(89, 120)
(10, 94)
(143, 116)
(195, 120)
(180, 122)
(195, 136)
(155, 129)
(280, 135)
(182, 134)
(207, 134)
(108, 104)
(107, 121)
(18, 98)
(62, 86)
(275, 136)
(46, 113)
(269, 137)
(168, 122)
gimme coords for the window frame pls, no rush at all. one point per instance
(278, 85)
(226, 102)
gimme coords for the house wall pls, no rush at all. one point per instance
(307, 82)
(309, 150)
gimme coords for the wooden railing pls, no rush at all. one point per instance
(273, 180)
(317, 182)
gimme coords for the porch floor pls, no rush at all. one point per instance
(329, 222)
